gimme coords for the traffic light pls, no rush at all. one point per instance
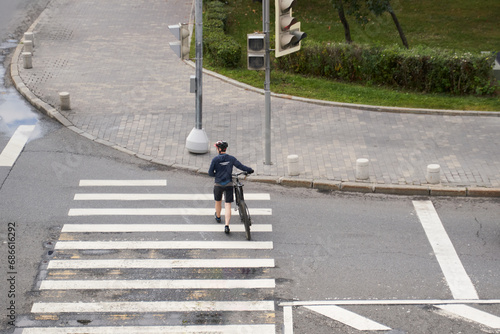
(288, 34)
(181, 32)
(256, 52)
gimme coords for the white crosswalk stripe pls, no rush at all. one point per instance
(127, 228)
(220, 329)
(159, 212)
(84, 248)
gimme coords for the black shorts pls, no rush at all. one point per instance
(228, 193)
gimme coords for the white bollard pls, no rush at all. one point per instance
(28, 46)
(29, 36)
(293, 165)
(362, 172)
(433, 175)
(65, 102)
(27, 61)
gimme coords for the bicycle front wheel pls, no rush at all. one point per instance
(245, 217)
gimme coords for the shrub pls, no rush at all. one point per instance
(419, 69)
(223, 50)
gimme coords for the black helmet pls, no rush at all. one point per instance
(222, 145)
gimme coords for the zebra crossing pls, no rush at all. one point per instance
(164, 276)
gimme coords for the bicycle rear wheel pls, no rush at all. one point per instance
(245, 217)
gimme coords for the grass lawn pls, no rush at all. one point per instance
(461, 25)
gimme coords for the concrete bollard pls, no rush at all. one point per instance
(65, 102)
(27, 60)
(29, 36)
(293, 165)
(28, 46)
(362, 172)
(433, 175)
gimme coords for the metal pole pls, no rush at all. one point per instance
(199, 61)
(267, 82)
(197, 140)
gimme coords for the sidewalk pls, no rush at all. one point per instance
(131, 92)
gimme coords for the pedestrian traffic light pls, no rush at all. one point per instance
(256, 52)
(288, 34)
(181, 32)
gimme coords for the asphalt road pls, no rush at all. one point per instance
(326, 246)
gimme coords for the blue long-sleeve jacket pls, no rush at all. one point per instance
(222, 168)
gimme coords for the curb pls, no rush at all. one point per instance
(365, 107)
(321, 185)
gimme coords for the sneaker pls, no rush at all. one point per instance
(226, 229)
(217, 219)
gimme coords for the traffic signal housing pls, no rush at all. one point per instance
(256, 52)
(181, 32)
(288, 34)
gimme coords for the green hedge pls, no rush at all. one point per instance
(223, 50)
(418, 69)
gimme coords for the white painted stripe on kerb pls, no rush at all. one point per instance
(160, 263)
(15, 145)
(85, 245)
(121, 228)
(158, 284)
(454, 272)
(123, 183)
(161, 197)
(472, 314)
(159, 212)
(157, 307)
(348, 318)
(221, 329)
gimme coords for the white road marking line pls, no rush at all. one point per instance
(159, 212)
(123, 183)
(160, 306)
(221, 329)
(160, 263)
(158, 284)
(391, 302)
(458, 281)
(287, 320)
(119, 228)
(15, 145)
(472, 314)
(349, 318)
(163, 245)
(161, 197)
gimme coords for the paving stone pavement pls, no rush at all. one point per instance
(130, 91)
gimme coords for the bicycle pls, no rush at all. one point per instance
(240, 203)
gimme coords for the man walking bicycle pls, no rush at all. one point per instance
(222, 168)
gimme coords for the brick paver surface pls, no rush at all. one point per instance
(127, 87)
